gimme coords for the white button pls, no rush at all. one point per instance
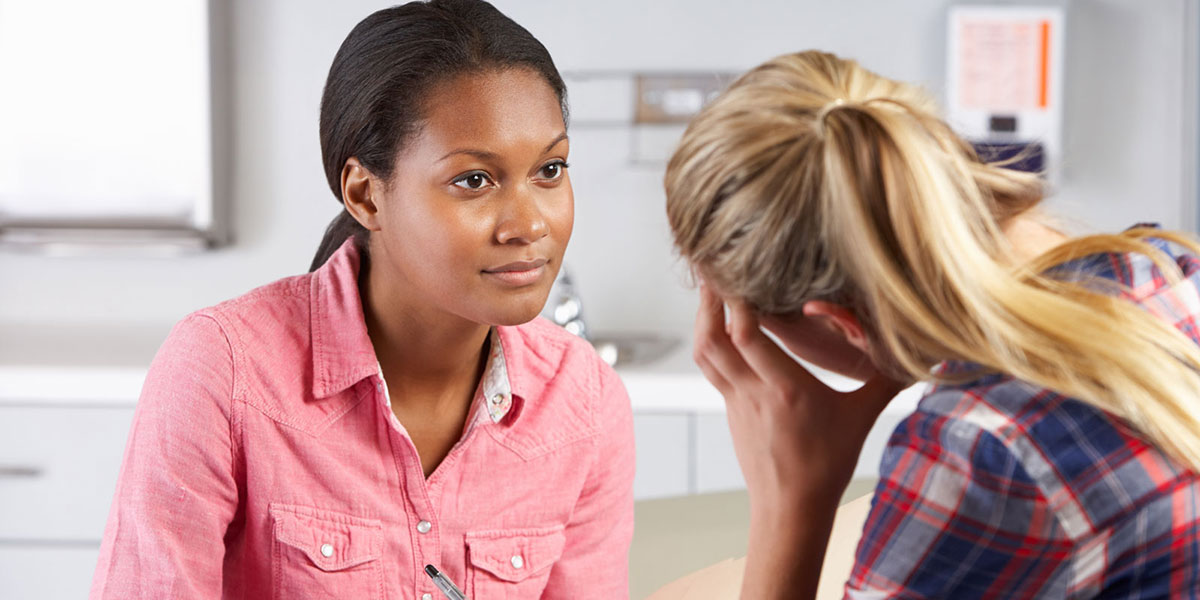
(424, 526)
(426, 596)
(498, 398)
(326, 550)
(518, 562)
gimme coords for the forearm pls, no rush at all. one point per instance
(786, 549)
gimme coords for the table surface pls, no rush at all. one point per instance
(676, 536)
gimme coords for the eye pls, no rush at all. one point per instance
(473, 181)
(553, 170)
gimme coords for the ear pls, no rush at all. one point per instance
(840, 319)
(361, 189)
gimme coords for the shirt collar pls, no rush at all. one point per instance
(343, 354)
(342, 351)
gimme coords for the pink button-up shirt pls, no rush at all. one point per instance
(264, 461)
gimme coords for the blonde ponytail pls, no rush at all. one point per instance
(814, 179)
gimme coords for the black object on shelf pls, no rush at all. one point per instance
(1021, 156)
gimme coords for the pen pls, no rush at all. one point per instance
(444, 584)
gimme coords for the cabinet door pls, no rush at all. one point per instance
(46, 572)
(58, 470)
(663, 464)
(716, 463)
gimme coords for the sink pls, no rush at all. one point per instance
(633, 349)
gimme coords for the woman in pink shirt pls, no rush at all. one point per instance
(330, 434)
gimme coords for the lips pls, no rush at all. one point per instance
(524, 265)
(519, 273)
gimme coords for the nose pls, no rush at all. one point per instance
(521, 220)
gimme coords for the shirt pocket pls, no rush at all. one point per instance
(320, 554)
(512, 564)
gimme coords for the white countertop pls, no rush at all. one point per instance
(70, 385)
(76, 375)
(675, 384)
(671, 386)
(74, 365)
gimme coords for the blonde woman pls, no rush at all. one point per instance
(1056, 453)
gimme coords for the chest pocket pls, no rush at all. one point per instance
(320, 554)
(512, 564)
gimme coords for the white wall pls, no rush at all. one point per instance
(1122, 143)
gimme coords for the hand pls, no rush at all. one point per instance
(792, 433)
(796, 440)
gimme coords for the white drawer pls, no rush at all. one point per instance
(58, 470)
(46, 572)
(662, 455)
(717, 468)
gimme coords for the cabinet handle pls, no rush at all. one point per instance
(19, 472)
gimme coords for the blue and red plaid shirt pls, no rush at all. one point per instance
(1001, 489)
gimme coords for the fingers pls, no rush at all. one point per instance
(714, 351)
(713, 376)
(768, 361)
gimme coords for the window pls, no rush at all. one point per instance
(106, 124)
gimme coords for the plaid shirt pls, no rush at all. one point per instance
(1000, 489)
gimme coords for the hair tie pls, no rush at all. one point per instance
(828, 107)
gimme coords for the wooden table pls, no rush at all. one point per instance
(676, 536)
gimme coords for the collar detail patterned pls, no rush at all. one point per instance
(495, 387)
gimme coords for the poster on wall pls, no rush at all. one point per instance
(1004, 82)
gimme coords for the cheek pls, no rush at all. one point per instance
(561, 216)
(438, 231)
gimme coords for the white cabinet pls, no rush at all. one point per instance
(663, 460)
(716, 464)
(49, 572)
(683, 440)
(62, 437)
(46, 573)
(58, 469)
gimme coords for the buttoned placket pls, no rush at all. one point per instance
(425, 533)
(494, 396)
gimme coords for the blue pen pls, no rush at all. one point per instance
(444, 584)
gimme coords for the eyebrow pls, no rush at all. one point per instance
(485, 155)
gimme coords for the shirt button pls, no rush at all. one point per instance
(326, 550)
(424, 526)
(426, 596)
(498, 398)
(518, 562)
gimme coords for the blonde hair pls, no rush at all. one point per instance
(812, 178)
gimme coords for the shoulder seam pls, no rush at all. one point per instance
(234, 401)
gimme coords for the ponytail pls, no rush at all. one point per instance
(342, 227)
(814, 179)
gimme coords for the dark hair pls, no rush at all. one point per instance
(373, 99)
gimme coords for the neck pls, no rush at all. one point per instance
(1030, 236)
(426, 354)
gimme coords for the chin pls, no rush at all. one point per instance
(514, 317)
(509, 307)
(517, 310)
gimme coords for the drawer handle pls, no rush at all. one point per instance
(19, 472)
